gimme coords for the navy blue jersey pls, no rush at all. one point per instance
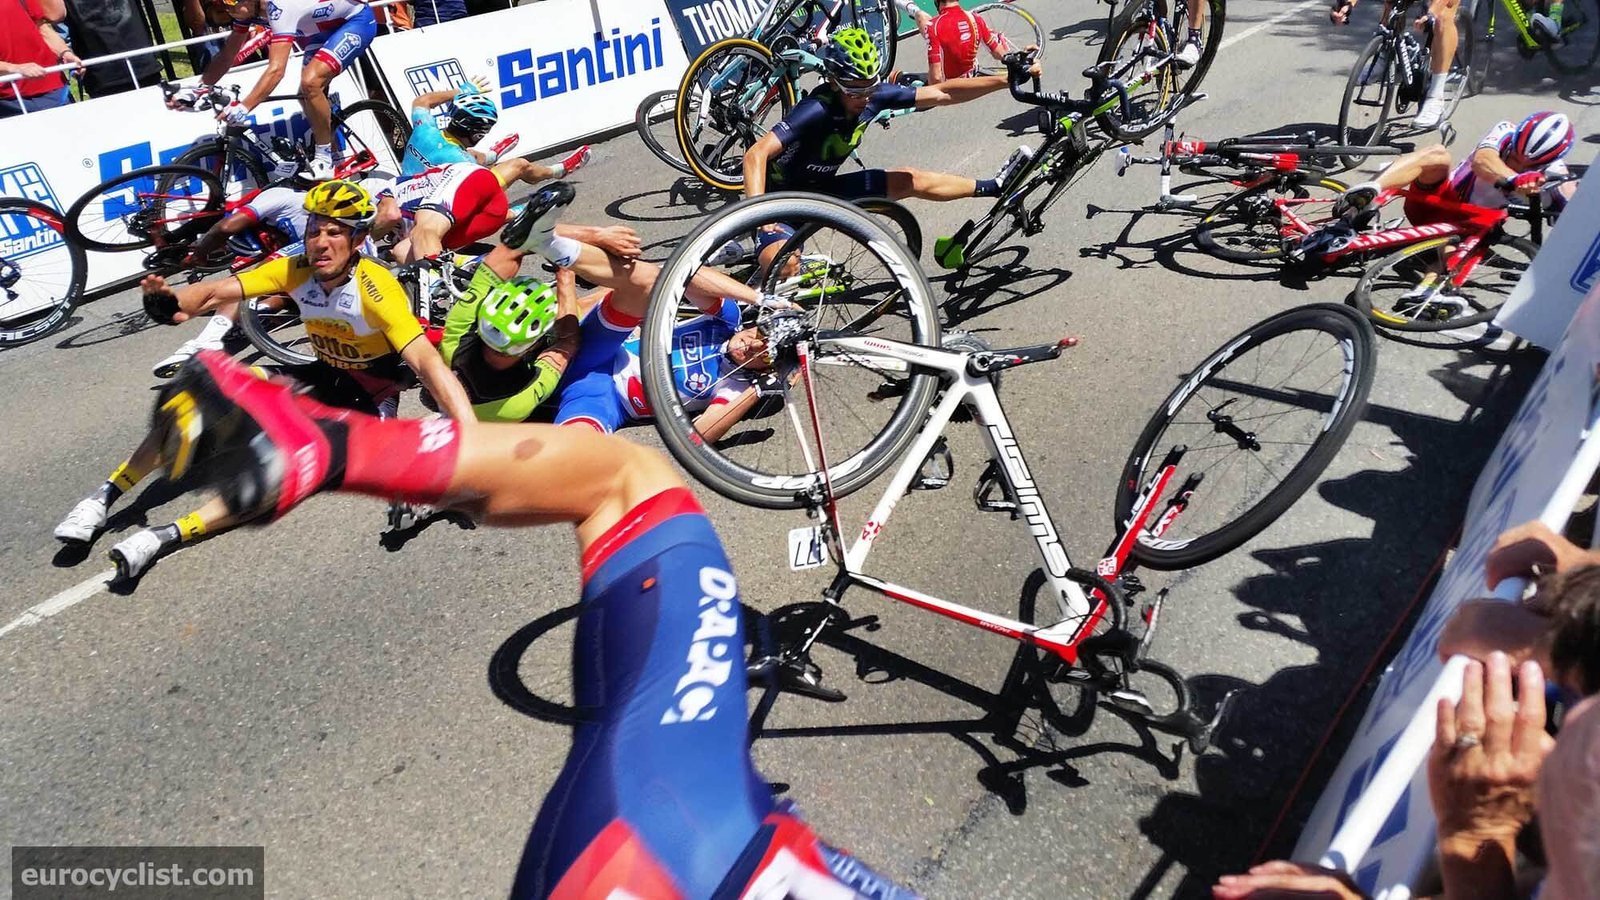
(819, 134)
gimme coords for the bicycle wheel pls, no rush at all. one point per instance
(274, 327)
(731, 95)
(1188, 80)
(895, 219)
(1459, 75)
(1482, 22)
(371, 138)
(1251, 225)
(1056, 168)
(881, 19)
(1396, 292)
(849, 280)
(1260, 418)
(159, 205)
(653, 119)
(1368, 100)
(1580, 38)
(41, 272)
(1141, 52)
(231, 162)
(1014, 26)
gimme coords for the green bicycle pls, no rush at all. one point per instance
(1067, 153)
(1574, 51)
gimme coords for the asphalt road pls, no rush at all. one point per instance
(385, 720)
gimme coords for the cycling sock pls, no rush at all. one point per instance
(1436, 86)
(216, 329)
(1194, 36)
(987, 187)
(398, 459)
(189, 527)
(560, 250)
(122, 479)
(325, 151)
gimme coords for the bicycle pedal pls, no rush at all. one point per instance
(982, 493)
(804, 677)
(1131, 700)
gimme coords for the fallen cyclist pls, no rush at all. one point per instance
(659, 797)
(368, 346)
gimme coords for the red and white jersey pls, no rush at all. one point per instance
(1469, 188)
(304, 20)
(954, 36)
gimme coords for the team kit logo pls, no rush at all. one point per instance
(21, 237)
(444, 75)
(1583, 277)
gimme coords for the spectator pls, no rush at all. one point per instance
(113, 26)
(432, 12)
(1492, 762)
(28, 45)
(196, 18)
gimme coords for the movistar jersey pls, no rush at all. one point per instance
(819, 134)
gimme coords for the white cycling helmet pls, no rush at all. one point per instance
(1540, 140)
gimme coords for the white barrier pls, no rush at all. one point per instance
(56, 155)
(561, 70)
(1562, 274)
(1373, 818)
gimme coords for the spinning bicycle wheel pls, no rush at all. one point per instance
(1260, 418)
(162, 205)
(1369, 99)
(1249, 225)
(654, 120)
(1394, 291)
(731, 95)
(1142, 43)
(41, 272)
(757, 432)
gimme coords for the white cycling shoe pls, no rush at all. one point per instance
(1188, 55)
(83, 522)
(134, 553)
(1431, 113)
(169, 367)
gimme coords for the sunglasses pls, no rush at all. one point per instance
(855, 88)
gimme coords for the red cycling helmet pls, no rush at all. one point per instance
(1540, 140)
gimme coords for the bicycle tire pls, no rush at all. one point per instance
(262, 327)
(1499, 271)
(1149, 38)
(391, 127)
(1330, 421)
(886, 36)
(688, 87)
(1580, 41)
(1247, 207)
(652, 111)
(244, 172)
(1015, 25)
(1176, 85)
(1482, 21)
(709, 464)
(1353, 89)
(906, 229)
(47, 314)
(103, 221)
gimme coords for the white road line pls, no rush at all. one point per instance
(1259, 27)
(61, 602)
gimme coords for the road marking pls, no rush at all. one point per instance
(61, 602)
(1263, 26)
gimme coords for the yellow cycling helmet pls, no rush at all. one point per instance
(342, 201)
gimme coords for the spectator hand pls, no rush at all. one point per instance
(1480, 627)
(1486, 756)
(30, 70)
(1530, 550)
(1340, 13)
(1287, 881)
(67, 56)
(618, 240)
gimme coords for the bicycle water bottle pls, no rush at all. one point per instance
(1124, 160)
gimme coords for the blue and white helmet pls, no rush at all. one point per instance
(474, 115)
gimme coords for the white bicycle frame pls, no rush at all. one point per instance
(1080, 610)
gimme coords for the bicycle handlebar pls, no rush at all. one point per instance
(213, 97)
(1017, 64)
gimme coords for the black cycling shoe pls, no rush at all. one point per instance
(536, 221)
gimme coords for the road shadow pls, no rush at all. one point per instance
(1351, 601)
(119, 326)
(684, 200)
(998, 281)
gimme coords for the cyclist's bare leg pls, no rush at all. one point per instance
(427, 235)
(314, 80)
(1444, 40)
(936, 186)
(524, 170)
(1426, 167)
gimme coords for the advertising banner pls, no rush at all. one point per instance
(1566, 269)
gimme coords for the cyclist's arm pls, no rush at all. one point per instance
(438, 378)
(756, 160)
(191, 299)
(234, 223)
(1488, 166)
(223, 61)
(712, 424)
(432, 99)
(277, 63)
(959, 90)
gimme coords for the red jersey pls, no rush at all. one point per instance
(954, 36)
(20, 42)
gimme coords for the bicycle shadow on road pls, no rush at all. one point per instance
(999, 281)
(1352, 601)
(120, 325)
(686, 199)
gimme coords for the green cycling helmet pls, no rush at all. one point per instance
(516, 314)
(852, 56)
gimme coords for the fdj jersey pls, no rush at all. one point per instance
(819, 134)
(280, 208)
(336, 31)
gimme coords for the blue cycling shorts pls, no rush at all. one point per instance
(342, 45)
(588, 393)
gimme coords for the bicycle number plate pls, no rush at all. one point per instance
(806, 550)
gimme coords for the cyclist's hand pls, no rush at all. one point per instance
(235, 113)
(1532, 549)
(160, 303)
(187, 98)
(1528, 183)
(1339, 14)
(619, 240)
(1282, 880)
(477, 84)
